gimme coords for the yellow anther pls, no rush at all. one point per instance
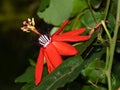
(31, 28)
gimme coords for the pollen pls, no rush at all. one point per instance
(44, 40)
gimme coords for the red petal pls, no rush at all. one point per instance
(52, 57)
(39, 67)
(49, 64)
(61, 27)
(64, 48)
(74, 32)
(70, 38)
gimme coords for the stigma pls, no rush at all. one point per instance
(44, 40)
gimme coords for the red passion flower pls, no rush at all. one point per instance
(54, 46)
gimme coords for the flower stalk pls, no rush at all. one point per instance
(111, 49)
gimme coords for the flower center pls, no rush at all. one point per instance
(44, 40)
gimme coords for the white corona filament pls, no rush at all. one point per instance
(44, 40)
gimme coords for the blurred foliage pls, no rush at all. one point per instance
(84, 71)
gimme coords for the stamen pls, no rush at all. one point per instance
(44, 40)
(29, 25)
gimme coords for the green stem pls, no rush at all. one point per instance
(106, 30)
(107, 48)
(109, 81)
(107, 9)
(112, 46)
(107, 58)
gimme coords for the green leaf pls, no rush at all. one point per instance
(28, 86)
(78, 6)
(90, 18)
(95, 3)
(65, 73)
(94, 73)
(93, 70)
(32, 62)
(111, 22)
(43, 5)
(27, 77)
(57, 12)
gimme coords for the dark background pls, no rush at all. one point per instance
(16, 47)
